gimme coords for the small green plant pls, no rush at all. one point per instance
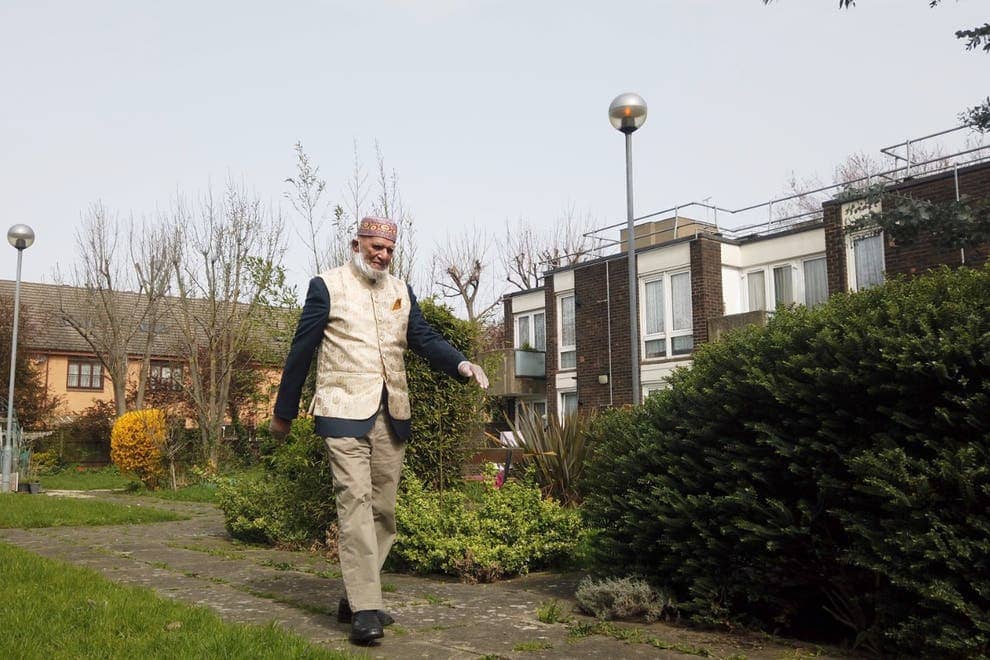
(535, 645)
(388, 588)
(44, 463)
(433, 599)
(622, 598)
(557, 448)
(551, 611)
(636, 636)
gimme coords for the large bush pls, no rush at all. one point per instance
(136, 444)
(832, 466)
(483, 535)
(290, 501)
(446, 414)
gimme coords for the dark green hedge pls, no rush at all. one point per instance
(827, 471)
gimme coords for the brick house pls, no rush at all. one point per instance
(696, 281)
(71, 369)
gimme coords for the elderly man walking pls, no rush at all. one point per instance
(361, 319)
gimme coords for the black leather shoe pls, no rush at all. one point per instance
(344, 614)
(365, 627)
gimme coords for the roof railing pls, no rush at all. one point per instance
(789, 219)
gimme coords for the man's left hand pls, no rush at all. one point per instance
(472, 370)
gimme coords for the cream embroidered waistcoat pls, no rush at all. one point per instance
(362, 347)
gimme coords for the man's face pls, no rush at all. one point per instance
(376, 251)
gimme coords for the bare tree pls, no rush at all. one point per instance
(153, 250)
(459, 270)
(527, 253)
(218, 292)
(305, 197)
(105, 305)
(858, 171)
(389, 204)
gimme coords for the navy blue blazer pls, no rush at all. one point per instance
(420, 337)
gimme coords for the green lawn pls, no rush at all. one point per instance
(24, 511)
(202, 492)
(109, 478)
(88, 479)
(53, 610)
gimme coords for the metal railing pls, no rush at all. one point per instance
(791, 211)
(18, 465)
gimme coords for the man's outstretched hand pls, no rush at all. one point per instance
(472, 370)
(279, 428)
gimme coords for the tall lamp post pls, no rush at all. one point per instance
(627, 113)
(21, 237)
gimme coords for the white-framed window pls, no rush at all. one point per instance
(650, 388)
(756, 286)
(566, 336)
(667, 315)
(538, 407)
(802, 281)
(531, 330)
(568, 403)
(815, 281)
(783, 286)
(866, 260)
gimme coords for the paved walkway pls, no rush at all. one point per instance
(196, 561)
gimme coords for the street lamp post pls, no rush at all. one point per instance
(627, 113)
(21, 237)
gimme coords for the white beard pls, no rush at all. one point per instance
(363, 267)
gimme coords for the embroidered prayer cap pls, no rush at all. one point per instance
(381, 227)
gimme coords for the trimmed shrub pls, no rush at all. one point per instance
(291, 502)
(136, 444)
(830, 466)
(497, 533)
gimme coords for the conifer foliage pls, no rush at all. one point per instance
(829, 467)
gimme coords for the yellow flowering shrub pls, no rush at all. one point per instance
(136, 444)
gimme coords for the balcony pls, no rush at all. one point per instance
(519, 373)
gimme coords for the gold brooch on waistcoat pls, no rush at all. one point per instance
(397, 304)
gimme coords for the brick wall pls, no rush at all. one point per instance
(599, 308)
(706, 285)
(923, 255)
(551, 360)
(835, 247)
(509, 323)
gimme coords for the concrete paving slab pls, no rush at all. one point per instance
(195, 561)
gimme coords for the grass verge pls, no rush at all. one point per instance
(202, 492)
(27, 511)
(80, 478)
(51, 609)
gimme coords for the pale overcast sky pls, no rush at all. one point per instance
(488, 110)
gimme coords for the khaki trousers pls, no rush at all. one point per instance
(366, 475)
